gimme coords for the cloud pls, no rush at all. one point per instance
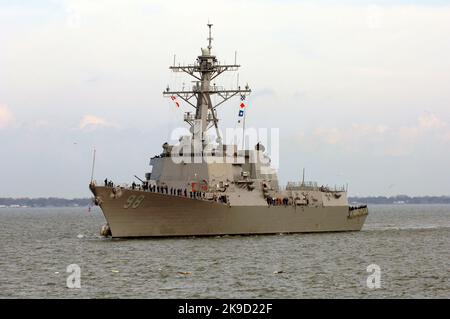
(447, 137)
(330, 135)
(426, 124)
(393, 141)
(264, 93)
(89, 122)
(40, 123)
(430, 121)
(352, 134)
(6, 117)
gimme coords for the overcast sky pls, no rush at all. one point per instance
(360, 91)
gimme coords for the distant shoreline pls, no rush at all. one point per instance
(400, 200)
(85, 202)
(44, 202)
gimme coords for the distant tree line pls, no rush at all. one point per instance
(401, 199)
(45, 202)
(83, 202)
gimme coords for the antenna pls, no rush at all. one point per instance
(209, 38)
(303, 178)
(93, 166)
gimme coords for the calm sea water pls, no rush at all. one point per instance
(410, 244)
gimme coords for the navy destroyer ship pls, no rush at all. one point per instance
(200, 188)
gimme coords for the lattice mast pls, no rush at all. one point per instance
(204, 70)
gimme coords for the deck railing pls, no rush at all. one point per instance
(313, 186)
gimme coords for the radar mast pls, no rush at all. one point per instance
(204, 70)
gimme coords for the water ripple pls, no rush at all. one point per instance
(409, 243)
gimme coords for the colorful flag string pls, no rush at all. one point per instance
(174, 99)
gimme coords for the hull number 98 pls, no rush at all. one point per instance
(134, 201)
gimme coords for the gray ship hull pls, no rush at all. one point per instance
(163, 215)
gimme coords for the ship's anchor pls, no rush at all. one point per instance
(105, 231)
(97, 201)
(116, 192)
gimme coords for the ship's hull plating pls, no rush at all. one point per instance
(159, 215)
